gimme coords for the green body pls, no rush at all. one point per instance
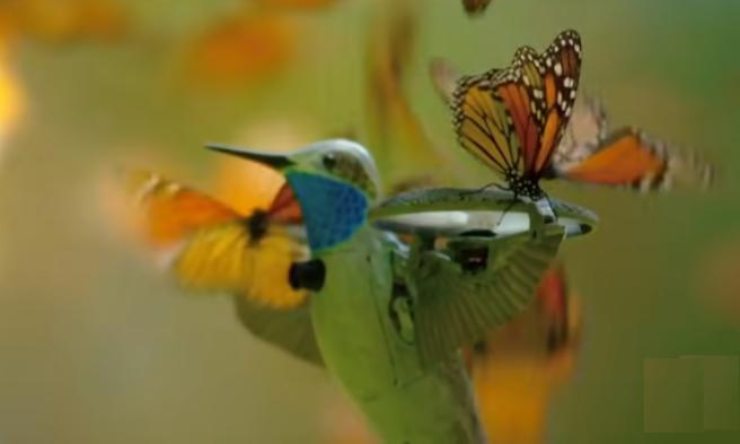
(388, 320)
(382, 371)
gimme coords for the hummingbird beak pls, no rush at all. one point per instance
(276, 161)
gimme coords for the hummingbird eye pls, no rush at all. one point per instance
(329, 160)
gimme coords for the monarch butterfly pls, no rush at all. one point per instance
(512, 119)
(475, 7)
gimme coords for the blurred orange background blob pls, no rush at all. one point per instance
(719, 280)
(246, 186)
(243, 50)
(521, 366)
(298, 4)
(11, 96)
(64, 20)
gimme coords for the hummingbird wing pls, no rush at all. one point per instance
(210, 248)
(476, 285)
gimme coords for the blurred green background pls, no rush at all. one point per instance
(96, 346)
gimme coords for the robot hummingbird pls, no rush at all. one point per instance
(324, 274)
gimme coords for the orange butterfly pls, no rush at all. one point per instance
(516, 369)
(590, 153)
(512, 119)
(475, 7)
(245, 49)
(211, 247)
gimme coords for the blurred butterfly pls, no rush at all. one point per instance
(393, 125)
(262, 258)
(244, 49)
(512, 119)
(516, 369)
(475, 7)
(590, 153)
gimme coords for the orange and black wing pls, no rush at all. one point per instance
(625, 157)
(285, 207)
(539, 92)
(482, 124)
(586, 130)
(211, 248)
(512, 119)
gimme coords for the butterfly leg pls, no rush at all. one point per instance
(485, 187)
(513, 201)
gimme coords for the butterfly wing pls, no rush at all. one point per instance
(586, 130)
(539, 92)
(625, 157)
(512, 119)
(211, 248)
(482, 124)
(444, 79)
(285, 207)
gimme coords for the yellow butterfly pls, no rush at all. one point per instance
(260, 258)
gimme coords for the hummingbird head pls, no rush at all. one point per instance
(335, 182)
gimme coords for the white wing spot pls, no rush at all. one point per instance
(558, 69)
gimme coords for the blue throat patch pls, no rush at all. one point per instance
(332, 210)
